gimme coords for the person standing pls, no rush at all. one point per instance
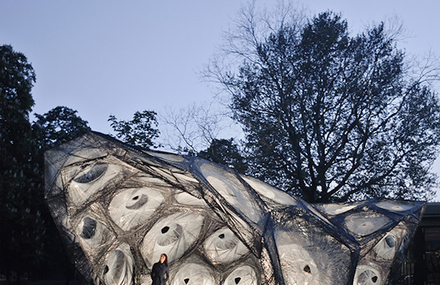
(159, 273)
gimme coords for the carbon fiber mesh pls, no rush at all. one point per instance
(119, 207)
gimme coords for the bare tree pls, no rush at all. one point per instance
(192, 129)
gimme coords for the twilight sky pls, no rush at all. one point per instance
(118, 57)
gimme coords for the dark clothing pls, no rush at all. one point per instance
(159, 273)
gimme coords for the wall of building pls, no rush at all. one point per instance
(422, 263)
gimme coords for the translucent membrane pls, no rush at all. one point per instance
(119, 209)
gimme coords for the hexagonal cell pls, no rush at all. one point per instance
(243, 275)
(172, 235)
(193, 274)
(367, 275)
(232, 190)
(365, 223)
(118, 266)
(223, 246)
(132, 207)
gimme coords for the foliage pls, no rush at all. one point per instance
(329, 116)
(59, 125)
(20, 224)
(225, 152)
(29, 243)
(141, 130)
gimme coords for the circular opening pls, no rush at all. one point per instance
(391, 241)
(95, 172)
(139, 201)
(307, 269)
(368, 277)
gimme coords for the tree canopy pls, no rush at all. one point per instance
(57, 126)
(29, 243)
(225, 152)
(329, 116)
(20, 220)
(141, 130)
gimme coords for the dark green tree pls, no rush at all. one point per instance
(225, 152)
(21, 225)
(141, 130)
(29, 243)
(59, 125)
(329, 116)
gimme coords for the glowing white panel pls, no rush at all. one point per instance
(118, 268)
(88, 180)
(232, 190)
(395, 206)
(367, 275)
(365, 223)
(188, 199)
(336, 209)
(193, 274)
(269, 192)
(224, 247)
(386, 248)
(91, 233)
(134, 206)
(297, 265)
(152, 182)
(314, 211)
(184, 177)
(244, 275)
(172, 235)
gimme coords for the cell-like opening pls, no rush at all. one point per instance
(89, 228)
(118, 268)
(193, 274)
(307, 269)
(365, 223)
(243, 275)
(223, 246)
(138, 202)
(172, 235)
(169, 235)
(391, 241)
(95, 172)
(367, 277)
(118, 264)
(132, 207)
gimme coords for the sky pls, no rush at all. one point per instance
(113, 57)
